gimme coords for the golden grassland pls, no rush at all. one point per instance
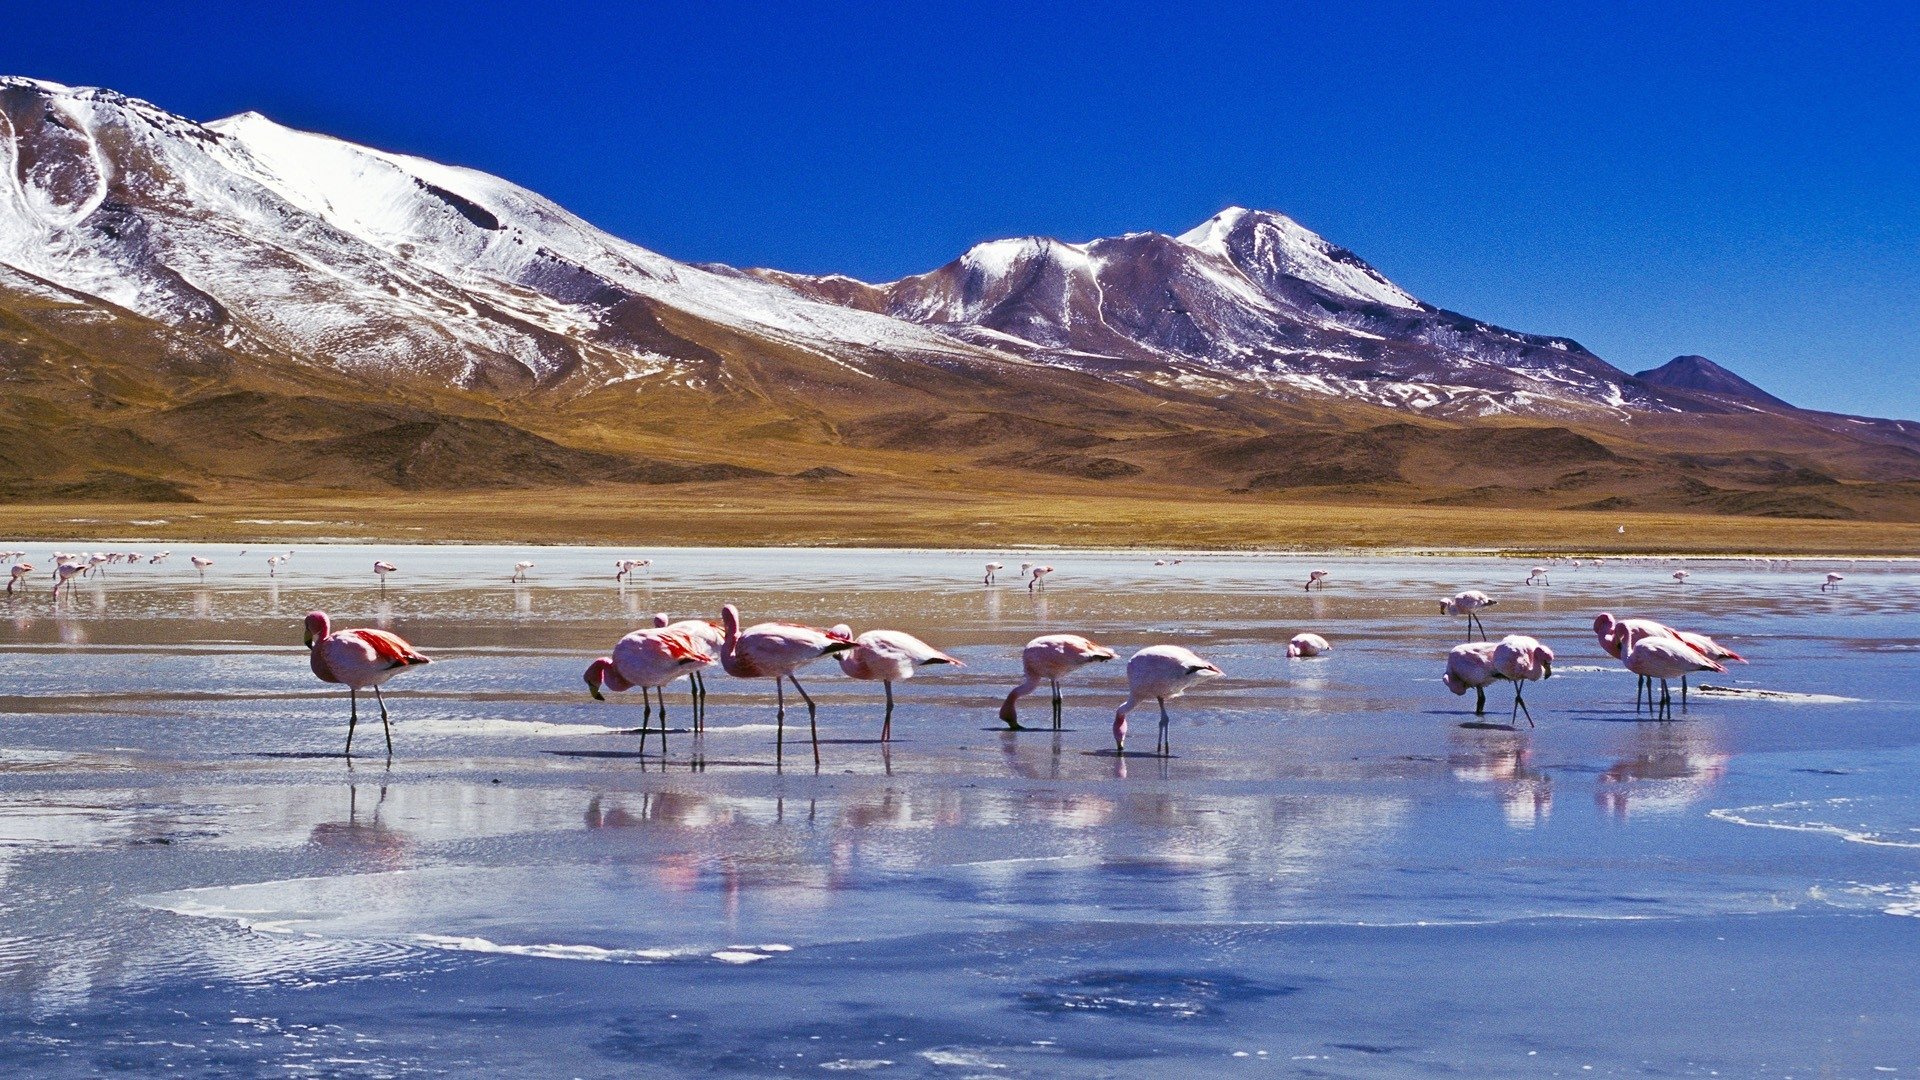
(858, 513)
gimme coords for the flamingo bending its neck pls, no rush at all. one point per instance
(1520, 660)
(710, 637)
(775, 651)
(648, 659)
(1469, 604)
(1308, 645)
(1317, 579)
(1050, 658)
(885, 656)
(358, 660)
(1158, 672)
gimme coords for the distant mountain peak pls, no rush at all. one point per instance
(1700, 374)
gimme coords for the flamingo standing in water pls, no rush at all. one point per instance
(1520, 660)
(775, 651)
(160, 558)
(1051, 657)
(648, 659)
(709, 636)
(520, 570)
(381, 569)
(624, 568)
(1470, 666)
(273, 564)
(886, 656)
(1158, 672)
(358, 659)
(201, 565)
(1833, 582)
(1317, 579)
(1308, 645)
(992, 569)
(1616, 635)
(1538, 576)
(18, 571)
(1665, 658)
(1469, 603)
(1680, 577)
(1039, 576)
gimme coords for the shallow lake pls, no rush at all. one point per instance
(1338, 872)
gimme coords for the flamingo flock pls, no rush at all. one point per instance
(654, 657)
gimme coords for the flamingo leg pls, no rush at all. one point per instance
(813, 723)
(1479, 701)
(780, 721)
(1056, 703)
(886, 725)
(353, 717)
(384, 724)
(1683, 693)
(1165, 746)
(1520, 706)
(661, 693)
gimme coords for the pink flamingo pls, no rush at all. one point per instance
(1665, 658)
(1538, 576)
(1039, 576)
(624, 568)
(1680, 577)
(358, 659)
(201, 565)
(1520, 660)
(1469, 603)
(992, 569)
(19, 570)
(66, 572)
(381, 569)
(886, 655)
(1308, 645)
(1833, 582)
(520, 570)
(1158, 672)
(1616, 634)
(648, 659)
(1317, 579)
(1051, 657)
(710, 637)
(775, 651)
(1470, 666)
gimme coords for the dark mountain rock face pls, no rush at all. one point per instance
(1703, 375)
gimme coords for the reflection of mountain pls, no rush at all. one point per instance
(195, 310)
(1667, 767)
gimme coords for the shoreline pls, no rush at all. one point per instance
(988, 522)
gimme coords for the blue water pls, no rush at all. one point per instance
(1340, 871)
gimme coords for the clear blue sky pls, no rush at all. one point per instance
(1650, 180)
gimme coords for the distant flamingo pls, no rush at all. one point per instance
(1665, 658)
(624, 568)
(160, 558)
(1050, 658)
(648, 659)
(886, 656)
(1158, 672)
(66, 572)
(1308, 645)
(1470, 666)
(358, 659)
(1833, 582)
(1520, 660)
(1469, 603)
(520, 570)
(201, 565)
(273, 564)
(1317, 579)
(1039, 576)
(19, 570)
(709, 636)
(1680, 577)
(1539, 576)
(775, 651)
(992, 569)
(382, 568)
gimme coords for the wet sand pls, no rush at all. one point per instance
(1339, 872)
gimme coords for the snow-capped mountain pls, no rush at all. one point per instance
(1250, 298)
(378, 264)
